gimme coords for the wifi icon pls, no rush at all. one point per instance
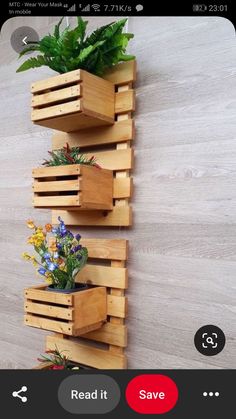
(96, 7)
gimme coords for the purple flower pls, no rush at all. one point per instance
(78, 237)
(77, 248)
(69, 234)
(59, 246)
(42, 271)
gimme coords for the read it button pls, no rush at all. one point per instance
(152, 393)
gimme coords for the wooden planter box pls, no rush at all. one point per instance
(73, 101)
(70, 314)
(73, 187)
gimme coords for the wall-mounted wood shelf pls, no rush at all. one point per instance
(113, 334)
(70, 314)
(73, 187)
(73, 101)
(111, 145)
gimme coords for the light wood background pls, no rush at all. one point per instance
(183, 243)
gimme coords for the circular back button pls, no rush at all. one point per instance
(152, 394)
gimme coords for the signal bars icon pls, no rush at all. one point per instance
(72, 8)
(86, 8)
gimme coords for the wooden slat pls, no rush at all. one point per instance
(122, 187)
(87, 355)
(117, 306)
(115, 159)
(106, 248)
(125, 102)
(103, 276)
(68, 170)
(122, 73)
(49, 311)
(56, 186)
(56, 201)
(56, 110)
(119, 216)
(38, 294)
(120, 131)
(48, 324)
(113, 334)
(56, 81)
(56, 96)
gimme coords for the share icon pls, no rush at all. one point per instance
(17, 394)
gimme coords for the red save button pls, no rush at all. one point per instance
(152, 393)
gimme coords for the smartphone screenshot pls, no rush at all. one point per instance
(118, 209)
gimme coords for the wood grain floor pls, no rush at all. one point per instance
(183, 243)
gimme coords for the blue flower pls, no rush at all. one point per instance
(42, 271)
(69, 234)
(52, 266)
(47, 255)
(78, 237)
(55, 230)
(59, 246)
(55, 255)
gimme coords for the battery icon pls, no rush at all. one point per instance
(199, 7)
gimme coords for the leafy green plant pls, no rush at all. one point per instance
(57, 361)
(69, 155)
(71, 49)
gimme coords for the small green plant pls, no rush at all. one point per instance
(57, 361)
(69, 155)
(71, 49)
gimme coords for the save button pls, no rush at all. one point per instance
(152, 394)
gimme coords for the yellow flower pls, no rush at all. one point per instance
(53, 245)
(30, 224)
(26, 256)
(48, 278)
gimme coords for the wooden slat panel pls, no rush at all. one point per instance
(87, 355)
(49, 311)
(125, 102)
(123, 73)
(56, 96)
(117, 306)
(115, 159)
(103, 276)
(120, 131)
(56, 81)
(56, 186)
(109, 333)
(68, 170)
(106, 248)
(119, 216)
(56, 110)
(122, 187)
(48, 324)
(38, 294)
(56, 201)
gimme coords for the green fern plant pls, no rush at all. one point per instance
(71, 49)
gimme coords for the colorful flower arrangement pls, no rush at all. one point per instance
(57, 360)
(61, 256)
